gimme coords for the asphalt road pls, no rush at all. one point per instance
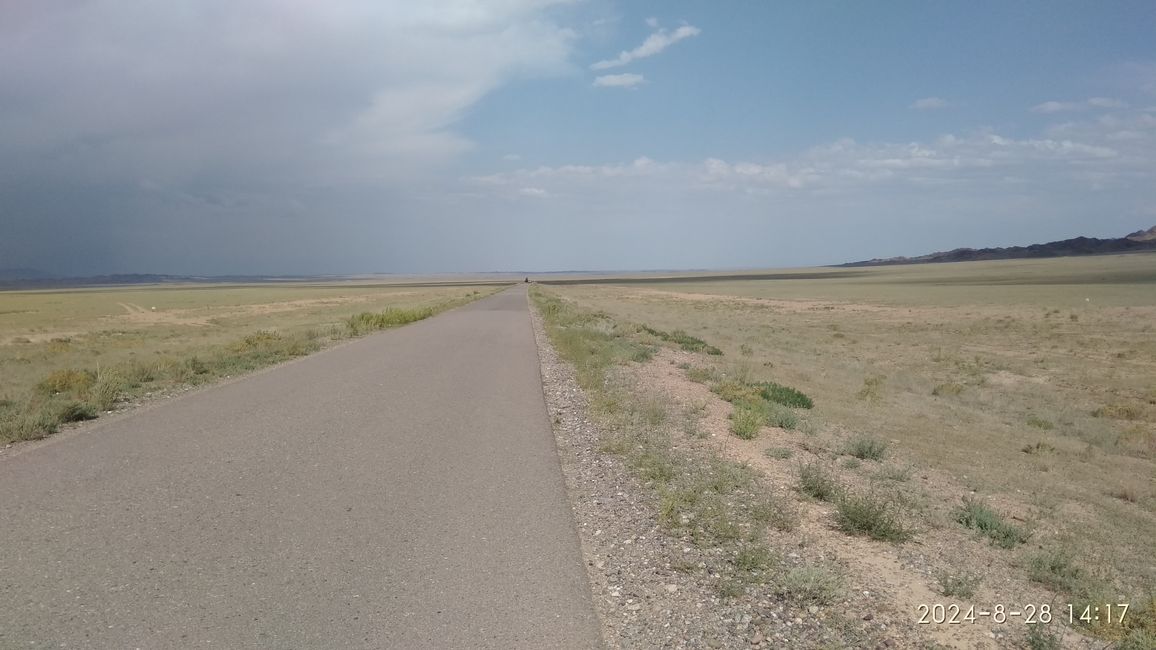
(399, 491)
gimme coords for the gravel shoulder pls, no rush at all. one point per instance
(652, 590)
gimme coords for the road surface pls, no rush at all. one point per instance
(399, 491)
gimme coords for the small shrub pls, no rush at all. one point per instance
(867, 514)
(866, 448)
(780, 453)
(815, 482)
(106, 390)
(746, 421)
(68, 381)
(1056, 569)
(961, 585)
(1040, 423)
(810, 584)
(947, 389)
(851, 463)
(72, 411)
(977, 515)
(784, 418)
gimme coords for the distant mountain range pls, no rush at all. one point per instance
(1141, 240)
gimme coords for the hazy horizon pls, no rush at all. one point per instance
(268, 138)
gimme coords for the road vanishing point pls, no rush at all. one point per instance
(402, 490)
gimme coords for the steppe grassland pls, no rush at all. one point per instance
(1031, 384)
(56, 346)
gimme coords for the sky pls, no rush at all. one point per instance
(279, 137)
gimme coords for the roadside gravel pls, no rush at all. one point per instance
(652, 590)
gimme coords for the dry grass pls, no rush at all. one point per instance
(973, 372)
(69, 355)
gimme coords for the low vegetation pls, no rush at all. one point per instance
(683, 340)
(866, 448)
(871, 515)
(72, 394)
(817, 483)
(701, 498)
(957, 585)
(977, 515)
(973, 379)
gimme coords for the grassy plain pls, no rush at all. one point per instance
(1002, 413)
(68, 355)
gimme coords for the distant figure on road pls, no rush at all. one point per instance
(527, 280)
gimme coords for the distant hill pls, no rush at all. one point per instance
(1141, 240)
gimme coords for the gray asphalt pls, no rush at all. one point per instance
(399, 491)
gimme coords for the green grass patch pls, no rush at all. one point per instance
(785, 395)
(366, 322)
(747, 420)
(683, 340)
(977, 515)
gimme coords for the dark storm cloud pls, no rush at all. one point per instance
(129, 130)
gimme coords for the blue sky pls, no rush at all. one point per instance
(459, 135)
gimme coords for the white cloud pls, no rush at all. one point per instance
(535, 192)
(325, 92)
(1088, 155)
(929, 103)
(512, 157)
(652, 22)
(1063, 107)
(1106, 102)
(626, 80)
(654, 44)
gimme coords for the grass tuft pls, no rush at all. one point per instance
(949, 388)
(390, 317)
(812, 584)
(779, 453)
(784, 395)
(866, 448)
(683, 340)
(747, 420)
(817, 483)
(961, 585)
(977, 515)
(872, 516)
